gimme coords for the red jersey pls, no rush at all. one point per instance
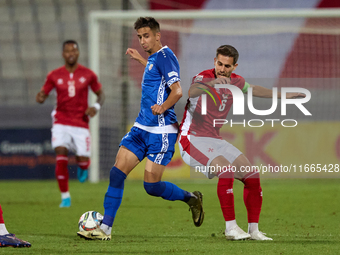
(194, 122)
(72, 94)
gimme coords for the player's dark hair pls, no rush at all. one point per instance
(147, 22)
(228, 51)
(70, 41)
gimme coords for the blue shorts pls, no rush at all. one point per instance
(159, 148)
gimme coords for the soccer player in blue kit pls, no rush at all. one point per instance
(153, 135)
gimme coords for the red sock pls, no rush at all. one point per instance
(1, 218)
(226, 195)
(252, 196)
(61, 172)
(84, 164)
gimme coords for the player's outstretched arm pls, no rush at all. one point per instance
(174, 96)
(91, 111)
(41, 97)
(293, 95)
(259, 91)
(134, 54)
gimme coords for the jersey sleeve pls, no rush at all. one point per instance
(168, 66)
(49, 84)
(240, 82)
(197, 78)
(246, 86)
(95, 84)
(203, 77)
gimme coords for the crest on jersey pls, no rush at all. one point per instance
(82, 79)
(60, 81)
(150, 67)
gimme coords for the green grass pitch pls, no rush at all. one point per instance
(301, 215)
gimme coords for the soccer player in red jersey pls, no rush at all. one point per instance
(202, 146)
(70, 130)
(7, 239)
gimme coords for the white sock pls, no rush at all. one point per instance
(252, 227)
(65, 195)
(229, 225)
(3, 230)
(107, 229)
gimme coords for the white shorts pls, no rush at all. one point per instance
(76, 139)
(200, 151)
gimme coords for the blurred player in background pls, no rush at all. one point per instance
(153, 135)
(201, 144)
(7, 239)
(70, 130)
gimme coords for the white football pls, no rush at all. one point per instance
(90, 221)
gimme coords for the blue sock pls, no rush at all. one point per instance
(114, 195)
(167, 190)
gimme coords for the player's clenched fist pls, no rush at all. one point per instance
(157, 109)
(295, 95)
(91, 111)
(134, 54)
(40, 97)
(222, 80)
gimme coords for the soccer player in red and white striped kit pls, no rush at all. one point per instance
(201, 144)
(70, 130)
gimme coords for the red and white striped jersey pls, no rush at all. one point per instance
(194, 122)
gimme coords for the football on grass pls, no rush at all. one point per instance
(90, 221)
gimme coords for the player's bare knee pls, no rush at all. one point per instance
(126, 160)
(243, 167)
(221, 167)
(60, 150)
(220, 161)
(152, 176)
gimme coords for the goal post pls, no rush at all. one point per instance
(266, 39)
(94, 123)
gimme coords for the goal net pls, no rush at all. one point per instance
(278, 48)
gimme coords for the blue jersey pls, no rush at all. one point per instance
(161, 71)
